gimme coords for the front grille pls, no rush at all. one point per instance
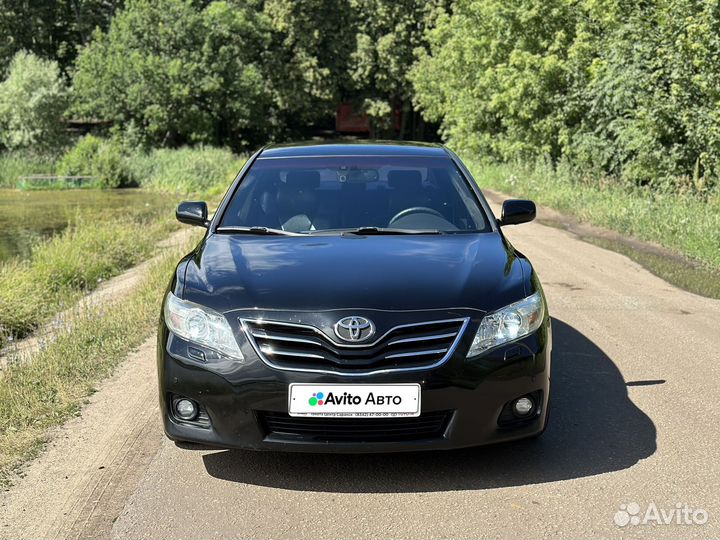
(305, 348)
(322, 429)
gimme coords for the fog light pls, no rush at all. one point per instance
(523, 406)
(186, 409)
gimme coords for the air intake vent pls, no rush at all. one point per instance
(426, 426)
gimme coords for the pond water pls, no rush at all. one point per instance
(26, 216)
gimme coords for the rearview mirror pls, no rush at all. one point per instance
(354, 175)
(515, 211)
(192, 213)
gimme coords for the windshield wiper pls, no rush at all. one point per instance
(256, 230)
(368, 231)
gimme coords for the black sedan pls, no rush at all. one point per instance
(354, 297)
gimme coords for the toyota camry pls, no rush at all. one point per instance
(354, 297)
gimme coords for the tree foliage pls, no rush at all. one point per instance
(245, 72)
(390, 34)
(51, 29)
(33, 99)
(307, 60)
(179, 73)
(629, 89)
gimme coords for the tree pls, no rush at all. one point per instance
(51, 29)
(497, 75)
(308, 57)
(390, 35)
(33, 99)
(616, 87)
(182, 73)
(652, 94)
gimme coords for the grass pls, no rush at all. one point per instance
(683, 223)
(13, 165)
(62, 269)
(48, 388)
(186, 170)
(53, 184)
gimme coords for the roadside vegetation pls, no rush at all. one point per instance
(61, 270)
(684, 222)
(49, 387)
(200, 170)
(605, 110)
(623, 92)
(110, 164)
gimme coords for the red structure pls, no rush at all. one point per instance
(348, 121)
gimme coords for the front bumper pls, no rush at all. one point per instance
(234, 397)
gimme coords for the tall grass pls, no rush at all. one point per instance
(50, 387)
(13, 165)
(63, 268)
(684, 223)
(186, 170)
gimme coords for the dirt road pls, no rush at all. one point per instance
(634, 420)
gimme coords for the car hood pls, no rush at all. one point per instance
(316, 273)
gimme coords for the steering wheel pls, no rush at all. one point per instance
(415, 210)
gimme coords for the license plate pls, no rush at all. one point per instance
(354, 400)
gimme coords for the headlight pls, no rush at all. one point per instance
(508, 324)
(200, 325)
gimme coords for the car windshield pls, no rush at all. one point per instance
(365, 194)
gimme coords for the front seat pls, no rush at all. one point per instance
(406, 190)
(296, 200)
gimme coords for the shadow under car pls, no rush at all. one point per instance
(594, 428)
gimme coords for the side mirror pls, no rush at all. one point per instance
(515, 211)
(192, 213)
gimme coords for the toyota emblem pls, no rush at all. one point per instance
(354, 329)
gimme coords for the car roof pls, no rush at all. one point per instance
(353, 148)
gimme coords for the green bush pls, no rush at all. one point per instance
(80, 159)
(33, 100)
(111, 167)
(102, 159)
